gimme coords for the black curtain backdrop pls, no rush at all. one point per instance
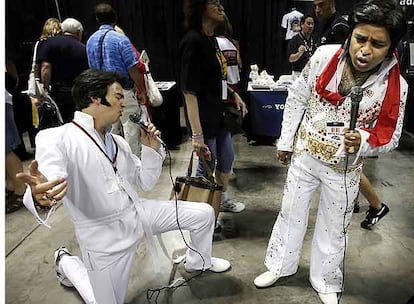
(156, 26)
(153, 25)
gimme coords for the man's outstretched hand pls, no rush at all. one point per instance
(46, 193)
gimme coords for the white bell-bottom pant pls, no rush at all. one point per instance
(110, 284)
(337, 194)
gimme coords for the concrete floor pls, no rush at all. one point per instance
(379, 265)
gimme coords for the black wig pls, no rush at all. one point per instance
(386, 13)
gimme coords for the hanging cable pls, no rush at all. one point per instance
(153, 294)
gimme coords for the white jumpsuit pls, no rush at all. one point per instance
(110, 219)
(318, 161)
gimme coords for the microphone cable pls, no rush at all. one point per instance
(344, 228)
(136, 119)
(356, 95)
(155, 293)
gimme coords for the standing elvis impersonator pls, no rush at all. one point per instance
(325, 152)
(93, 172)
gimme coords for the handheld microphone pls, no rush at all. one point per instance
(136, 119)
(356, 96)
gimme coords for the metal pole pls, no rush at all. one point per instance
(58, 10)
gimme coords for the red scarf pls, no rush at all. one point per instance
(387, 120)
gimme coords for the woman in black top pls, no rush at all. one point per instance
(203, 82)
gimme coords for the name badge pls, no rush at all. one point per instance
(224, 89)
(335, 129)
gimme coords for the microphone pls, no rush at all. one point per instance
(356, 96)
(136, 119)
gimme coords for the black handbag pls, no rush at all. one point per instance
(49, 114)
(232, 119)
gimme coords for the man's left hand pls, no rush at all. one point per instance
(352, 141)
(150, 136)
(45, 192)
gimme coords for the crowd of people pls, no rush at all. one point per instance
(98, 86)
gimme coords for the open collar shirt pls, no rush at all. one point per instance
(102, 203)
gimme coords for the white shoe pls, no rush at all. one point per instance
(328, 298)
(217, 265)
(231, 205)
(61, 251)
(266, 279)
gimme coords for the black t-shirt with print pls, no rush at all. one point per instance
(293, 48)
(200, 73)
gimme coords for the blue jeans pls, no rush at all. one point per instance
(222, 154)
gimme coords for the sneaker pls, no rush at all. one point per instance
(219, 226)
(217, 265)
(232, 176)
(14, 202)
(9, 193)
(231, 205)
(357, 207)
(373, 216)
(59, 253)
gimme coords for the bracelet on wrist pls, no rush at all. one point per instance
(197, 136)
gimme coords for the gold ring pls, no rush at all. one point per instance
(51, 201)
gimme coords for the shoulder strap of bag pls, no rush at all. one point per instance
(101, 49)
(205, 165)
(34, 56)
(49, 100)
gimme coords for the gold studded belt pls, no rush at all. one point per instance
(319, 147)
(325, 150)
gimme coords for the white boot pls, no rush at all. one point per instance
(328, 298)
(266, 279)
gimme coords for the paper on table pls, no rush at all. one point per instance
(164, 85)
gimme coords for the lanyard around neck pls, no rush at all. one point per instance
(220, 57)
(113, 161)
(308, 42)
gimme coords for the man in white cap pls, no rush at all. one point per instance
(63, 58)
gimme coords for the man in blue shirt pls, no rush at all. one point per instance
(109, 50)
